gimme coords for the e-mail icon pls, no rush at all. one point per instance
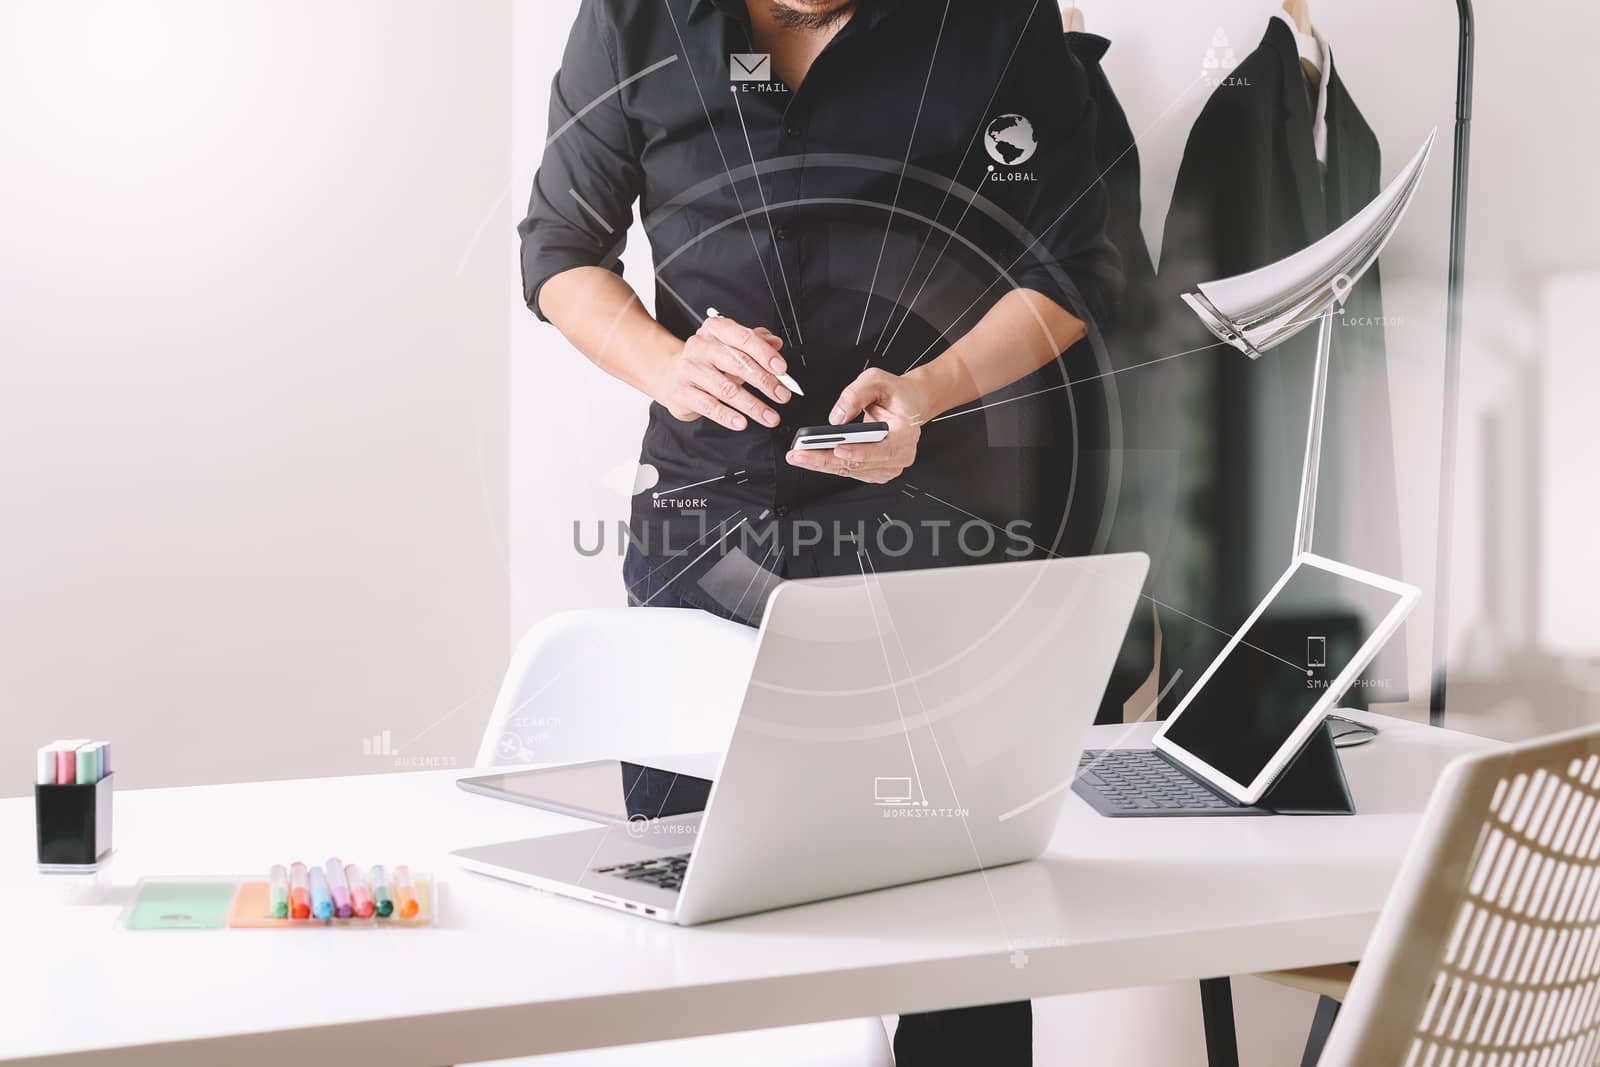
(750, 67)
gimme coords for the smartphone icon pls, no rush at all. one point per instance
(1316, 652)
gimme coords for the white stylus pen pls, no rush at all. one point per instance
(794, 386)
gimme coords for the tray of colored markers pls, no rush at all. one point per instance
(333, 895)
(336, 894)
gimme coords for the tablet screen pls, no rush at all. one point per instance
(608, 790)
(1271, 680)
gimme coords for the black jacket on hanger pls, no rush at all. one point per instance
(1250, 191)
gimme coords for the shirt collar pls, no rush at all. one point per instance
(1311, 46)
(1088, 47)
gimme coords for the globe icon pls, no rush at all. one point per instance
(1009, 140)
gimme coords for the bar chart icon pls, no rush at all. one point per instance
(377, 745)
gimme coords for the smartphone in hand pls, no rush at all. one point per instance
(816, 438)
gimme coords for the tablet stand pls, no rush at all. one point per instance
(1314, 783)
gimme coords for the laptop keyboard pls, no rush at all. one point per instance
(663, 872)
(1139, 782)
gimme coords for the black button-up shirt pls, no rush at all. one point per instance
(936, 156)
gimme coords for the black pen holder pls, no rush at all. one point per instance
(74, 824)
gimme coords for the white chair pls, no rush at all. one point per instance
(634, 683)
(1487, 953)
(620, 683)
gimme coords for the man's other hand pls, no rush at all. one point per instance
(708, 378)
(902, 402)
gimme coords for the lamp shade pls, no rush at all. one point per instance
(1258, 311)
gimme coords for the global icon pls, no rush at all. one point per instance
(1010, 140)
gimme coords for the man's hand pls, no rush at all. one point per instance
(707, 378)
(902, 402)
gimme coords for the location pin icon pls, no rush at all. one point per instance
(1341, 288)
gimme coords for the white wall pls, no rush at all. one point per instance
(1568, 623)
(574, 431)
(253, 418)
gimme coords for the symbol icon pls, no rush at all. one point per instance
(1341, 289)
(750, 67)
(891, 792)
(1218, 60)
(638, 824)
(509, 747)
(1010, 141)
(1316, 652)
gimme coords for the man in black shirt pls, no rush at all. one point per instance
(892, 204)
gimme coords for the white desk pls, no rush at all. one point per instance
(511, 971)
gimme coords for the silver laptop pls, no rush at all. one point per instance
(896, 727)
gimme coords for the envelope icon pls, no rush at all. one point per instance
(750, 67)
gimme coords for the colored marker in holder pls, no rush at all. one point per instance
(405, 893)
(360, 896)
(382, 900)
(278, 891)
(299, 892)
(338, 888)
(321, 901)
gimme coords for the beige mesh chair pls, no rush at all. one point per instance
(1488, 951)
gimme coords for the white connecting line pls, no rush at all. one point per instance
(976, 188)
(733, 186)
(695, 485)
(904, 166)
(863, 559)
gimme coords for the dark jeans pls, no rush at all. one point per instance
(647, 586)
(994, 1035)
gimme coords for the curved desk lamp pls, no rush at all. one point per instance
(1258, 311)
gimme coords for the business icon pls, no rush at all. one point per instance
(1010, 140)
(750, 67)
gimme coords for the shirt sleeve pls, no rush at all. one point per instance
(1068, 217)
(583, 193)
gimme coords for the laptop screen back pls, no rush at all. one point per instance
(1271, 680)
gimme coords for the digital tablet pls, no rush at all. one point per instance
(603, 790)
(1277, 678)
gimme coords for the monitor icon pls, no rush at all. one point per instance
(891, 792)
